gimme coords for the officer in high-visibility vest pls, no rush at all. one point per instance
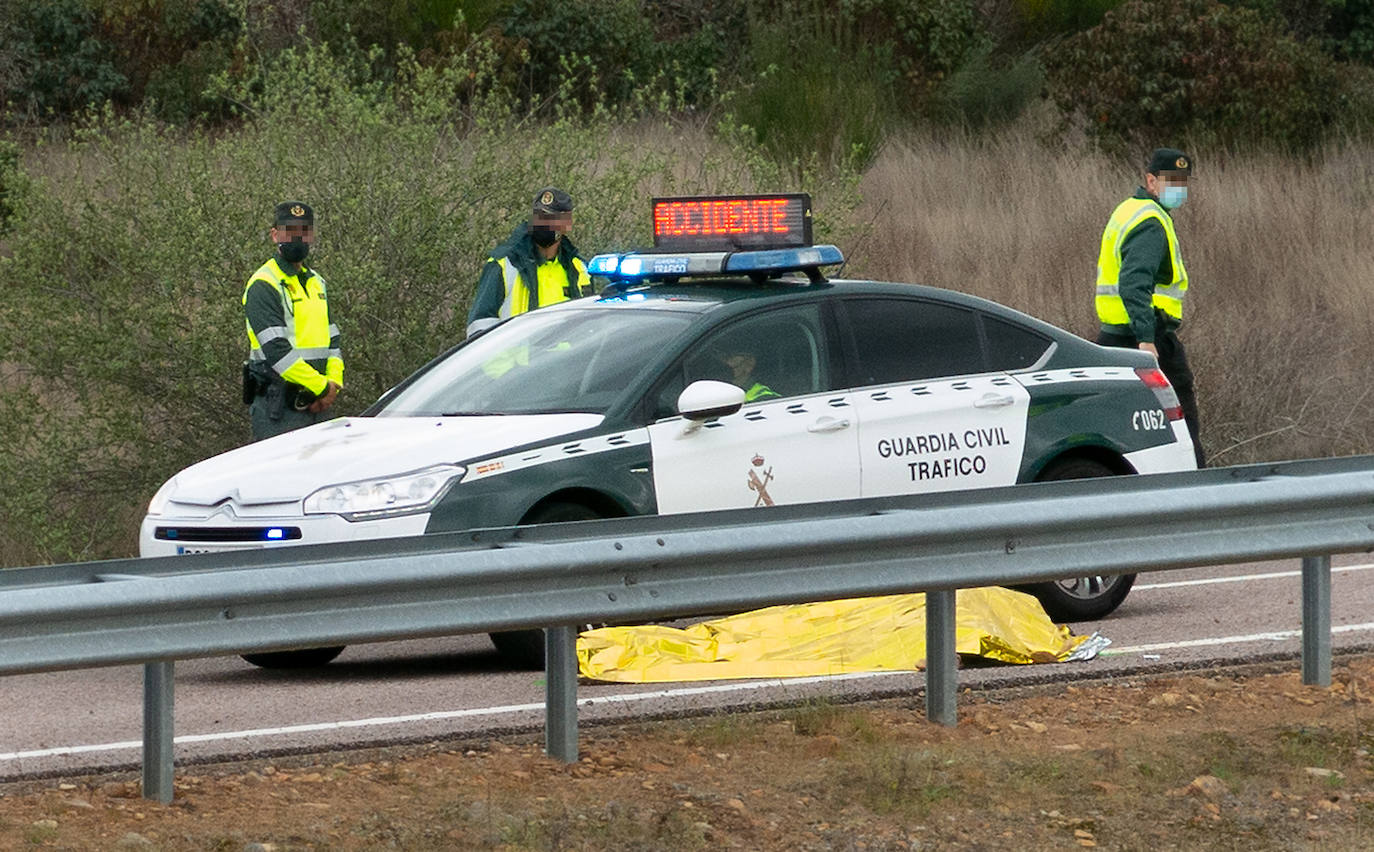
(536, 265)
(294, 370)
(1141, 282)
(737, 368)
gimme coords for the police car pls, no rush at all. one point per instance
(721, 369)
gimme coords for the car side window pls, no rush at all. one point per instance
(899, 340)
(1011, 346)
(776, 354)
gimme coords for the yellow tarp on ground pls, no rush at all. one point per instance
(834, 637)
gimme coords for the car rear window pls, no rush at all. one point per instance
(1011, 346)
(898, 340)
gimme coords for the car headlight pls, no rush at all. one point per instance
(384, 497)
(158, 504)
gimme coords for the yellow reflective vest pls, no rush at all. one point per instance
(553, 284)
(1111, 310)
(292, 334)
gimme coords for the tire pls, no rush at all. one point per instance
(305, 658)
(1086, 598)
(525, 648)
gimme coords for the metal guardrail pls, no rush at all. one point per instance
(156, 611)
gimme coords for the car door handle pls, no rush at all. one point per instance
(994, 400)
(828, 424)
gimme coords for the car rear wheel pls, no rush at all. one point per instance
(305, 658)
(1085, 598)
(525, 648)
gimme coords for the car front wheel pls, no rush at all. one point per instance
(525, 648)
(1084, 598)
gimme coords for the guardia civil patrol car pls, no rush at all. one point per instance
(721, 369)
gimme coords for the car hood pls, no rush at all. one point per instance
(290, 467)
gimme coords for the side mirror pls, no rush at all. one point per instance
(705, 399)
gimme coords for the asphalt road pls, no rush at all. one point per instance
(84, 721)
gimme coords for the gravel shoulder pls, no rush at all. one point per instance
(1240, 758)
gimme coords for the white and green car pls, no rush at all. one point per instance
(637, 402)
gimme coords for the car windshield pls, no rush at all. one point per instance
(555, 361)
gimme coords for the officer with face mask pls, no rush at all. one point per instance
(1141, 282)
(294, 369)
(536, 265)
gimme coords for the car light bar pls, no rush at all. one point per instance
(784, 260)
(643, 266)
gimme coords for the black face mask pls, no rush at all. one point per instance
(294, 251)
(542, 236)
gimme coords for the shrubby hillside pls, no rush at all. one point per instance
(973, 145)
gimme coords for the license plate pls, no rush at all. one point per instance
(189, 549)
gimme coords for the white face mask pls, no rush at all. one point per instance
(1172, 196)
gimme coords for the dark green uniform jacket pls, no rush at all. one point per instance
(521, 251)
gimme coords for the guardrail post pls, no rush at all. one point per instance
(560, 693)
(1316, 620)
(157, 731)
(942, 677)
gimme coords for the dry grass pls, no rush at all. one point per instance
(1280, 302)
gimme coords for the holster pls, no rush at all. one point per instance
(250, 384)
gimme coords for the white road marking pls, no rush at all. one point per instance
(1275, 636)
(510, 709)
(1207, 581)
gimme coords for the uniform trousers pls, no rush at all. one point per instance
(1173, 360)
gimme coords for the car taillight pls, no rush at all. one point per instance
(1155, 380)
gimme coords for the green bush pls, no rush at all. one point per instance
(930, 39)
(1040, 19)
(1350, 30)
(1196, 70)
(815, 96)
(169, 51)
(985, 92)
(53, 60)
(122, 320)
(418, 24)
(13, 183)
(596, 53)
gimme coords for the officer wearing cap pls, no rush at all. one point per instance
(536, 265)
(1141, 282)
(294, 369)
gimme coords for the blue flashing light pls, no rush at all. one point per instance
(604, 264)
(635, 297)
(779, 260)
(276, 534)
(632, 266)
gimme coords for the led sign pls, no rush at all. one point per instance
(732, 222)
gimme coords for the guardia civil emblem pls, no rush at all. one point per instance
(546, 198)
(297, 211)
(758, 483)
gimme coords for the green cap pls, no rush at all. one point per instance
(1169, 160)
(552, 201)
(293, 213)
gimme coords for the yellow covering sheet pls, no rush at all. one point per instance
(834, 637)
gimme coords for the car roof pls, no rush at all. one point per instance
(702, 295)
